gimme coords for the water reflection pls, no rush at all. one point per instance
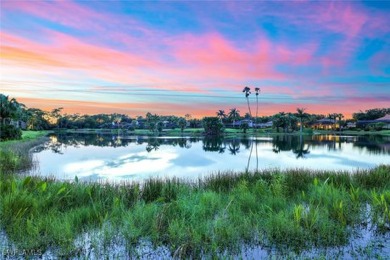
(299, 145)
(96, 156)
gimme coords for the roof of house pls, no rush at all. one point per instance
(385, 118)
(326, 120)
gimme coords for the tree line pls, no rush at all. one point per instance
(15, 116)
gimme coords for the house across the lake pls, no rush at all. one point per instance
(351, 125)
(250, 124)
(265, 125)
(325, 123)
(237, 124)
(385, 120)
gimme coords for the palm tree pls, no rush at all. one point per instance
(333, 116)
(301, 114)
(221, 114)
(234, 114)
(280, 120)
(247, 116)
(182, 124)
(247, 92)
(340, 117)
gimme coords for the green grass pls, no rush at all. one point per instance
(14, 155)
(297, 209)
(26, 136)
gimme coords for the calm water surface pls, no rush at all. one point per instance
(94, 157)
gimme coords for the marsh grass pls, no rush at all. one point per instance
(16, 157)
(295, 209)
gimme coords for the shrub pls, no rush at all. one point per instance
(244, 126)
(379, 126)
(308, 131)
(212, 126)
(9, 132)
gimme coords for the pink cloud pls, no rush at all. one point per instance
(214, 56)
(63, 12)
(342, 18)
(200, 62)
(70, 53)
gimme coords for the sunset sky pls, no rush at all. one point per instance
(195, 57)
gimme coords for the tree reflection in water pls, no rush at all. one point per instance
(234, 147)
(299, 145)
(213, 144)
(300, 151)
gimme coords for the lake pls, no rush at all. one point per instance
(114, 158)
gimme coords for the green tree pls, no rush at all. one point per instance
(212, 126)
(153, 121)
(159, 126)
(221, 115)
(244, 126)
(37, 119)
(182, 124)
(9, 110)
(134, 124)
(371, 114)
(56, 114)
(234, 114)
(280, 120)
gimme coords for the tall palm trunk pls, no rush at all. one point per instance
(257, 109)
(249, 108)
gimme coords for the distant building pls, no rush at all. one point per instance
(141, 123)
(325, 123)
(19, 124)
(239, 123)
(265, 125)
(385, 120)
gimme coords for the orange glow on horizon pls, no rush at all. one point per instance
(133, 109)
